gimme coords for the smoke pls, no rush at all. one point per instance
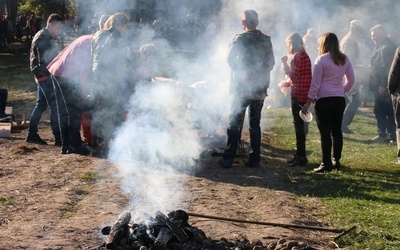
(161, 138)
(156, 142)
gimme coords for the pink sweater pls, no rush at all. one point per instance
(327, 79)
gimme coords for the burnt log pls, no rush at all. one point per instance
(118, 231)
(178, 232)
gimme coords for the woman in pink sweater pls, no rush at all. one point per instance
(328, 88)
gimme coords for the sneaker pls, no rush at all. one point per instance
(379, 139)
(252, 164)
(35, 139)
(398, 161)
(299, 161)
(346, 130)
(323, 168)
(226, 163)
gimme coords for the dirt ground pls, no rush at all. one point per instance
(54, 201)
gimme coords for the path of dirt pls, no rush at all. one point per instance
(54, 201)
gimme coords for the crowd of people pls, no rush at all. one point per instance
(326, 71)
(333, 84)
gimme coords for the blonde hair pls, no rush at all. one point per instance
(102, 21)
(116, 20)
(296, 41)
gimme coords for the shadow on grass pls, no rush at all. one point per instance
(354, 183)
(351, 183)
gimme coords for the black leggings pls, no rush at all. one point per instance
(329, 116)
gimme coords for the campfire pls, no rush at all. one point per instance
(172, 231)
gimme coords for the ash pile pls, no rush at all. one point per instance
(172, 231)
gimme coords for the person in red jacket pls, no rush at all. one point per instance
(299, 73)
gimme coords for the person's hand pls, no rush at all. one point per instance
(282, 87)
(305, 107)
(382, 90)
(284, 59)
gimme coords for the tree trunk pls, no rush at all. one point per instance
(12, 8)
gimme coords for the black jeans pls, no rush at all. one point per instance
(329, 116)
(3, 100)
(300, 127)
(69, 101)
(238, 111)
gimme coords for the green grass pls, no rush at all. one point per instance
(365, 193)
(6, 201)
(89, 176)
(15, 74)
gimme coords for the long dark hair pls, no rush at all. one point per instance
(329, 43)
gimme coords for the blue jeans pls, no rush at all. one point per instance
(238, 111)
(383, 110)
(45, 97)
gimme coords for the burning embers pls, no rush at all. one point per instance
(170, 231)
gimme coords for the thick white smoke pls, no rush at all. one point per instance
(161, 137)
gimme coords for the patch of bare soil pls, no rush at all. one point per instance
(54, 201)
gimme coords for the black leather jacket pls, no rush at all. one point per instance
(394, 74)
(43, 51)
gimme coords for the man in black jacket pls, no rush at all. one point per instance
(394, 90)
(43, 51)
(382, 58)
(251, 58)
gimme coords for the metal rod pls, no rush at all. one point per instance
(269, 223)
